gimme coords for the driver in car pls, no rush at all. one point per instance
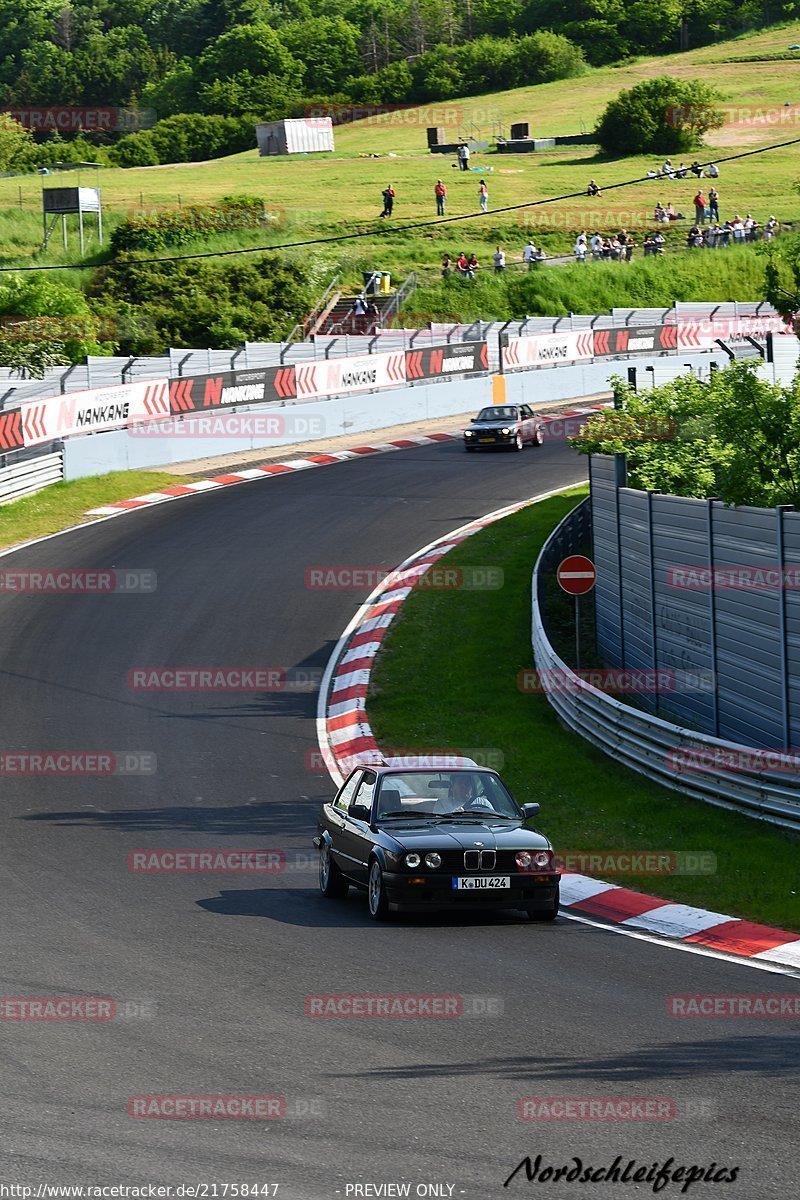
(463, 794)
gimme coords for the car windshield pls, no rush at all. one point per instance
(497, 413)
(443, 793)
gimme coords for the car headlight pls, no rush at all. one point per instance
(412, 859)
(469, 433)
(505, 432)
(433, 859)
(524, 860)
(543, 859)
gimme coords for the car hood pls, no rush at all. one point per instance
(495, 835)
(494, 424)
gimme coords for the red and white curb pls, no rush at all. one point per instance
(346, 739)
(178, 490)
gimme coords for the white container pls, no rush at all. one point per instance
(307, 135)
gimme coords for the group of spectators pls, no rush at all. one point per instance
(619, 247)
(731, 233)
(681, 172)
(440, 195)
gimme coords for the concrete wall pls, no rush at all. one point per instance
(293, 424)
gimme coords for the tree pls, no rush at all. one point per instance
(659, 116)
(52, 323)
(736, 437)
(327, 47)
(16, 143)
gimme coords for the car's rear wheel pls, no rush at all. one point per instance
(332, 883)
(376, 893)
(518, 442)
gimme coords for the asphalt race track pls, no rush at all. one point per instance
(210, 972)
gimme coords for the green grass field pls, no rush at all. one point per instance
(332, 194)
(433, 691)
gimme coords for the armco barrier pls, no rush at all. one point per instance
(29, 476)
(647, 744)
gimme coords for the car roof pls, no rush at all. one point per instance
(421, 762)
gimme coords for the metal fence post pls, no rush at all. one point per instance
(653, 623)
(787, 722)
(712, 609)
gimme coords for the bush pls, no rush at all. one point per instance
(200, 302)
(659, 116)
(186, 137)
(134, 150)
(174, 227)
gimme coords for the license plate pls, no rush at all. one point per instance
(485, 439)
(477, 883)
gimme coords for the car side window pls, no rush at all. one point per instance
(366, 790)
(525, 412)
(344, 799)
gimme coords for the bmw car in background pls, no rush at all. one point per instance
(421, 838)
(511, 425)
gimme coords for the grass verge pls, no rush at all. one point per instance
(447, 678)
(65, 504)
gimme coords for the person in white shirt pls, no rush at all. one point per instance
(712, 171)
(529, 253)
(668, 169)
(580, 250)
(499, 260)
(738, 230)
(463, 156)
(597, 246)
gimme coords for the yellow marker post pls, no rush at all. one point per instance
(498, 389)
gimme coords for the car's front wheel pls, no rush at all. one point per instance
(332, 883)
(538, 436)
(376, 893)
(518, 442)
(544, 914)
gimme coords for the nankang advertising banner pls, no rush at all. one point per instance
(94, 410)
(334, 376)
(635, 339)
(547, 349)
(197, 393)
(452, 358)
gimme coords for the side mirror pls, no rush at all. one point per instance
(531, 810)
(360, 812)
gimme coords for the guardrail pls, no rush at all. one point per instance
(678, 758)
(29, 476)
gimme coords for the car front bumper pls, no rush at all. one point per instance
(485, 441)
(534, 892)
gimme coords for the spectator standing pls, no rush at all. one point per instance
(658, 242)
(447, 266)
(749, 228)
(629, 248)
(648, 245)
(725, 234)
(462, 266)
(472, 266)
(483, 196)
(463, 156)
(529, 253)
(388, 201)
(713, 203)
(499, 260)
(738, 231)
(700, 204)
(579, 250)
(596, 245)
(440, 192)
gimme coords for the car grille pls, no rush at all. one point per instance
(480, 860)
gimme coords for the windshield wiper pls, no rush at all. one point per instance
(405, 813)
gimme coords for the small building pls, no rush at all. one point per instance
(307, 135)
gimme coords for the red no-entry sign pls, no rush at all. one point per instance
(576, 574)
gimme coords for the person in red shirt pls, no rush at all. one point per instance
(700, 203)
(462, 266)
(440, 192)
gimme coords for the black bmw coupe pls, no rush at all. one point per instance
(419, 838)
